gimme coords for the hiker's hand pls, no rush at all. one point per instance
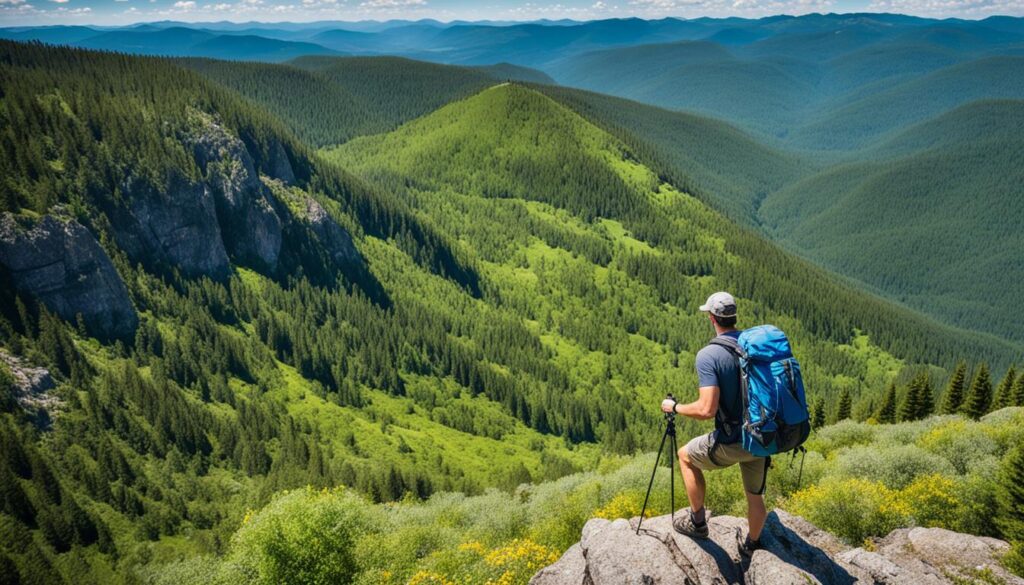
(668, 405)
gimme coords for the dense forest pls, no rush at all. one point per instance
(494, 295)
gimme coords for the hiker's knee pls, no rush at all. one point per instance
(684, 457)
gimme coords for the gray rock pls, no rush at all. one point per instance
(178, 228)
(793, 551)
(31, 384)
(939, 552)
(280, 166)
(334, 238)
(715, 560)
(570, 569)
(615, 555)
(60, 262)
(768, 569)
(883, 570)
(250, 225)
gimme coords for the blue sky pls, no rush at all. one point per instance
(23, 12)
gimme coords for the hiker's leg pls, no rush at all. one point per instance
(756, 514)
(755, 478)
(693, 478)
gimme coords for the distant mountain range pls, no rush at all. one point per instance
(847, 137)
(541, 44)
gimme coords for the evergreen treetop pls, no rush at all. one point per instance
(953, 399)
(979, 398)
(1004, 392)
(887, 411)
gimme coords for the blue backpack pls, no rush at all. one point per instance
(775, 416)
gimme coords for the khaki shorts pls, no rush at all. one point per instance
(707, 454)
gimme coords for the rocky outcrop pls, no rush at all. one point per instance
(249, 223)
(32, 387)
(177, 227)
(335, 239)
(60, 262)
(794, 552)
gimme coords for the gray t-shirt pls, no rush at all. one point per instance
(717, 366)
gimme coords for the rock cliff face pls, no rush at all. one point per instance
(794, 552)
(178, 227)
(60, 262)
(335, 239)
(249, 223)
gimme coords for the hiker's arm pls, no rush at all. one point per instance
(704, 408)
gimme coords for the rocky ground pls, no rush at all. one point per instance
(794, 552)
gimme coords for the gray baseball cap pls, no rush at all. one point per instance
(720, 304)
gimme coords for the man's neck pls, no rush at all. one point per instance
(720, 330)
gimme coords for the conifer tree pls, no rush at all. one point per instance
(845, 406)
(1011, 495)
(1004, 391)
(914, 402)
(953, 399)
(887, 412)
(818, 414)
(1018, 391)
(979, 398)
(927, 397)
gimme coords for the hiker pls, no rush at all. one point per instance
(718, 376)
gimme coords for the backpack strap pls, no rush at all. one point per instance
(734, 348)
(730, 344)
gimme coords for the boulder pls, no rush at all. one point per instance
(59, 262)
(793, 551)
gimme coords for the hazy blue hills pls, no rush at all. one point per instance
(173, 41)
(839, 88)
(932, 216)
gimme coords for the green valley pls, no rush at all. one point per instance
(381, 321)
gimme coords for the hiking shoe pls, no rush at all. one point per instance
(684, 524)
(746, 546)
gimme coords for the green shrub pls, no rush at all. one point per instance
(303, 537)
(932, 501)
(842, 434)
(1014, 559)
(853, 509)
(894, 466)
(962, 442)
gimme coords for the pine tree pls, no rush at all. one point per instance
(953, 399)
(1018, 391)
(845, 405)
(1011, 495)
(911, 405)
(979, 398)
(818, 414)
(887, 412)
(927, 397)
(1004, 392)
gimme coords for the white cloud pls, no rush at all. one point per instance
(940, 8)
(11, 2)
(60, 1)
(185, 5)
(392, 3)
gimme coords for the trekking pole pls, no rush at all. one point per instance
(670, 431)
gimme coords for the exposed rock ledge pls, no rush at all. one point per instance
(794, 552)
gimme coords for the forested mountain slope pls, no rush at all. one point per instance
(180, 41)
(222, 314)
(808, 100)
(327, 101)
(932, 216)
